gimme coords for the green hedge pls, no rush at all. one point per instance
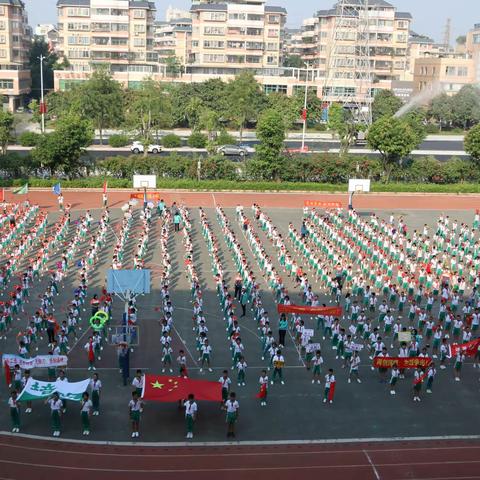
(118, 140)
(28, 139)
(171, 141)
(218, 185)
(197, 140)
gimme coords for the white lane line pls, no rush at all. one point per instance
(185, 345)
(334, 441)
(375, 471)
(214, 200)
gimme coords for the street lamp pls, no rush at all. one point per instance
(304, 112)
(42, 103)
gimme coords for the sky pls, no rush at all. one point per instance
(429, 16)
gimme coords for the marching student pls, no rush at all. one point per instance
(241, 369)
(90, 349)
(354, 364)
(96, 389)
(444, 352)
(262, 394)
(459, 359)
(329, 386)
(417, 384)
(206, 350)
(14, 411)
(225, 382)
(85, 412)
(232, 408)
(182, 362)
(138, 382)
(431, 372)
(278, 362)
(26, 376)
(191, 410)
(394, 375)
(135, 408)
(56, 407)
(167, 357)
(317, 366)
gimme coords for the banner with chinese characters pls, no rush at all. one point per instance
(36, 390)
(319, 204)
(402, 362)
(307, 310)
(40, 361)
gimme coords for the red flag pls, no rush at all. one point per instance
(3, 195)
(91, 355)
(304, 114)
(469, 349)
(171, 389)
(305, 309)
(8, 374)
(105, 185)
(401, 362)
(263, 391)
(331, 391)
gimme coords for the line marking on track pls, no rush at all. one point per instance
(375, 471)
(214, 200)
(272, 443)
(185, 345)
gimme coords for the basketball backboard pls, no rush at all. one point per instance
(144, 181)
(359, 185)
(128, 281)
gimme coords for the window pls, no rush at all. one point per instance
(462, 71)
(214, 31)
(2, 10)
(235, 44)
(253, 59)
(254, 17)
(254, 46)
(119, 41)
(402, 38)
(237, 16)
(272, 47)
(118, 12)
(2, 25)
(101, 11)
(99, 40)
(194, 43)
(450, 71)
(78, 27)
(213, 44)
(6, 84)
(78, 12)
(476, 39)
(3, 39)
(119, 27)
(215, 16)
(271, 60)
(100, 27)
(213, 58)
(3, 53)
(235, 59)
(139, 28)
(273, 32)
(138, 13)
(402, 24)
(77, 40)
(273, 18)
(78, 54)
(138, 42)
(275, 89)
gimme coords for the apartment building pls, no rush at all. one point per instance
(473, 48)
(448, 72)
(15, 39)
(114, 34)
(338, 43)
(229, 37)
(172, 13)
(173, 40)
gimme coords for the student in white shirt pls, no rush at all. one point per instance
(96, 388)
(191, 409)
(263, 381)
(137, 383)
(56, 407)
(135, 407)
(14, 411)
(85, 412)
(232, 407)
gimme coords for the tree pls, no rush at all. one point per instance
(173, 66)
(466, 106)
(192, 112)
(440, 109)
(210, 121)
(100, 99)
(394, 138)
(314, 104)
(472, 143)
(461, 40)
(61, 150)
(293, 61)
(6, 130)
(147, 110)
(286, 105)
(244, 100)
(340, 120)
(271, 134)
(40, 47)
(385, 103)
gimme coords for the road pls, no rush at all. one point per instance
(442, 148)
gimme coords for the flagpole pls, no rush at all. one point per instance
(42, 103)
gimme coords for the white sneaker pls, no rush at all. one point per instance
(137, 434)
(318, 381)
(358, 380)
(282, 382)
(313, 381)
(324, 400)
(392, 392)
(331, 401)
(457, 379)
(271, 382)
(170, 370)
(349, 381)
(210, 370)
(133, 434)
(201, 370)
(429, 391)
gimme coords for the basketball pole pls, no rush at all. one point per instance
(350, 200)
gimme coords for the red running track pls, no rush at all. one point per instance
(26, 457)
(84, 199)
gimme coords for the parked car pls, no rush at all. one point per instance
(137, 147)
(249, 148)
(236, 150)
(361, 139)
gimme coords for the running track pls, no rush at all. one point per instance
(27, 457)
(83, 199)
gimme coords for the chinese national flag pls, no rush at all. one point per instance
(263, 391)
(304, 114)
(164, 388)
(105, 185)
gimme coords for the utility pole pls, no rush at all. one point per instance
(304, 112)
(42, 103)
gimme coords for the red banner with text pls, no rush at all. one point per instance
(470, 349)
(319, 204)
(402, 362)
(150, 196)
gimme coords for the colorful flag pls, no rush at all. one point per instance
(469, 349)
(305, 310)
(171, 389)
(304, 114)
(8, 373)
(2, 197)
(401, 362)
(263, 391)
(36, 390)
(105, 185)
(22, 190)
(57, 189)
